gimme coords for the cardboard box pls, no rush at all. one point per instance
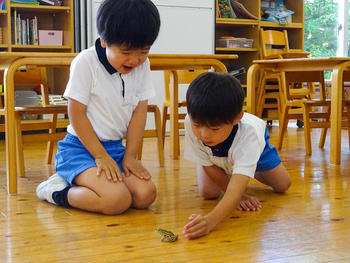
(50, 37)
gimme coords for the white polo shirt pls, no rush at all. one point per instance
(243, 155)
(96, 84)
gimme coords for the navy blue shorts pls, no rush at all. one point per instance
(269, 158)
(72, 158)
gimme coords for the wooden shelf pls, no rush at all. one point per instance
(39, 47)
(49, 18)
(231, 21)
(250, 28)
(40, 8)
(276, 25)
(225, 49)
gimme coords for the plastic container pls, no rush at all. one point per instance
(50, 37)
(26, 98)
(235, 42)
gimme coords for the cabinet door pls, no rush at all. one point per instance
(186, 27)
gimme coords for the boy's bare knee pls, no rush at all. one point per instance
(145, 196)
(116, 203)
(209, 194)
(283, 186)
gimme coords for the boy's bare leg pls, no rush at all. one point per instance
(278, 178)
(143, 192)
(97, 194)
(209, 189)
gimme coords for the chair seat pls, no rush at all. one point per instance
(315, 103)
(180, 104)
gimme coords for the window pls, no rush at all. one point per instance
(321, 22)
(326, 28)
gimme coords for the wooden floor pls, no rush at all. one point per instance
(311, 223)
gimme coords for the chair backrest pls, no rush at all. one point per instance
(273, 42)
(31, 77)
(183, 77)
(301, 91)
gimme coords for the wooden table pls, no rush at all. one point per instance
(178, 62)
(340, 67)
(11, 61)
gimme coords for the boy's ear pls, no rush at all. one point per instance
(103, 43)
(239, 117)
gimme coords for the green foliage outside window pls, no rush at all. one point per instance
(321, 20)
(321, 27)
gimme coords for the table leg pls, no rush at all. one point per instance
(10, 137)
(174, 117)
(252, 78)
(336, 113)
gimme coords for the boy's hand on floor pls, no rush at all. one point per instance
(133, 166)
(108, 167)
(249, 203)
(198, 226)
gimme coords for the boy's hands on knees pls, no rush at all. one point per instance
(108, 167)
(198, 226)
(133, 166)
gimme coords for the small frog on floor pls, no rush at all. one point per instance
(167, 236)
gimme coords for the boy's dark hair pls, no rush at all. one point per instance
(134, 23)
(214, 98)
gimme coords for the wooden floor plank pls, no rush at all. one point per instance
(310, 223)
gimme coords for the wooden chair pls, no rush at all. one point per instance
(157, 132)
(183, 77)
(274, 45)
(295, 106)
(32, 77)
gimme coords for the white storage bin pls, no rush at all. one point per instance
(235, 42)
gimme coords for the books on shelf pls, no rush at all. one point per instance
(27, 2)
(236, 71)
(242, 12)
(25, 30)
(2, 5)
(51, 2)
(225, 9)
(234, 9)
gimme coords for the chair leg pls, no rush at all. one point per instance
(324, 130)
(347, 106)
(19, 147)
(164, 118)
(261, 98)
(50, 144)
(282, 127)
(322, 138)
(307, 130)
(160, 136)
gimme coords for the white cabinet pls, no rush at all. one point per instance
(187, 27)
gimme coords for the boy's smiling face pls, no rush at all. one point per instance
(214, 135)
(124, 60)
